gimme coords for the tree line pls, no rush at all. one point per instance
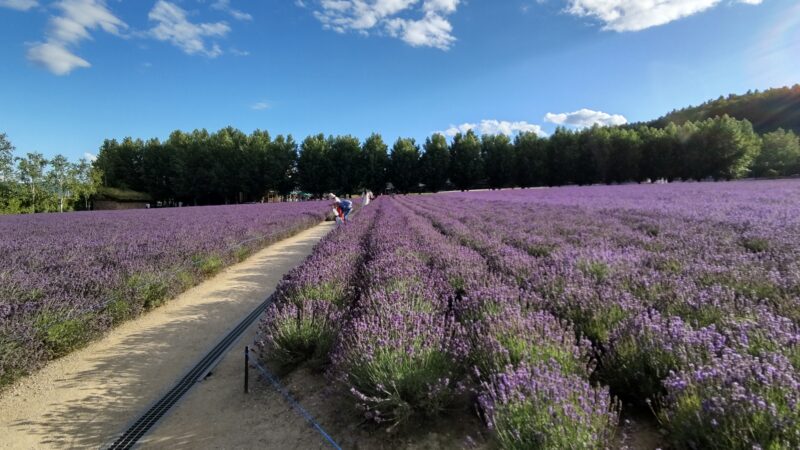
(32, 183)
(229, 166)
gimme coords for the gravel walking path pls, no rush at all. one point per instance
(87, 398)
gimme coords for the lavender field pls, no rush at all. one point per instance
(552, 313)
(67, 278)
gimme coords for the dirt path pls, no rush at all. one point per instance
(83, 400)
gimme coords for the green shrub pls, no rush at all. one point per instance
(148, 290)
(241, 253)
(540, 408)
(294, 334)
(60, 333)
(736, 402)
(329, 291)
(210, 265)
(755, 244)
(595, 269)
(119, 310)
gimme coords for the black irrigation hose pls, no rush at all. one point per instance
(139, 428)
(294, 403)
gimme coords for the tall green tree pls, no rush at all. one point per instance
(593, 155)
(262, 171)
(435, 163)
(6, 159)
(625, 156)
(466, 164)
(498, 159)
(194, 167)
(60, 170)
(121, 162)
(374, 163)
(159, 165)
(10, 201)
(562, 157)
(780, 155)
(344, 154)
(84, 180)
(530, 160)
(31, 172)
(280, 164)
(229, 166)
(723, 148)
(313, 165)
(404, 165)
(656, 153)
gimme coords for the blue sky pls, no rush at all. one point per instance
(75, 72)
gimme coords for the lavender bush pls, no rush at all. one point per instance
(540, 407)
(735, 402)
(666, 283)
(513, 338)
(645, 349)
(67, 278)
(296, 333)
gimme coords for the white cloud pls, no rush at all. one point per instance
(19, 5)
(77, 18)
(419, 23)
(56, 58)
(585, 118)
(91, 157)
(430, 31)
(260, 106)
(635, 15)
(174, 27)
(225, 5)
(495, 127)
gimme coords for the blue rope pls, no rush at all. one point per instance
(282, 390)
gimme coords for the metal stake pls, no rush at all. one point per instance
(246, 370)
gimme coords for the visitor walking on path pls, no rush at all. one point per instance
(342, 208)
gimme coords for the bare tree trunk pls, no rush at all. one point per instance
(33, 195)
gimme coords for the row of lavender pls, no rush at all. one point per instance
(67, 278)
(692, 305)
(428, 328)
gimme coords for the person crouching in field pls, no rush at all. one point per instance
(342, 208)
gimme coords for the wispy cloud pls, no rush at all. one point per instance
(225, 5)
(68, 29)
(173, 26)
(635, 15)
(260, 106)
(19, 5)
(585, 118)
(491, 126)
(419, 25)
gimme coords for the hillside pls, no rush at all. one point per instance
(767, 110)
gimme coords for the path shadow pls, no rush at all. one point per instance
(119, 382)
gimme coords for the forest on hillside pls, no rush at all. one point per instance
(767, 110)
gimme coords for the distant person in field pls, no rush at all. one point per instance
(367, 198)
(342, 208)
